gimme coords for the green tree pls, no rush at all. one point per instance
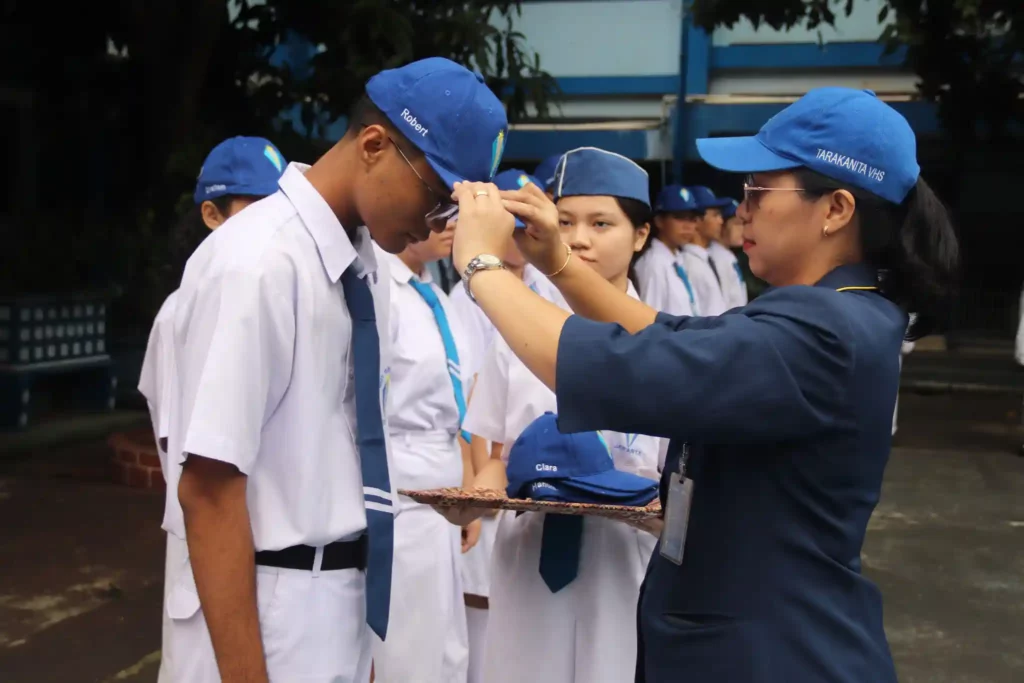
(966, 52)
(118, 101)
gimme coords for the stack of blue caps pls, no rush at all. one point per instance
(545, 464)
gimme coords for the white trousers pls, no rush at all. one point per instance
(313, 627)
(585, 633)
(476, 577)
(427, 640)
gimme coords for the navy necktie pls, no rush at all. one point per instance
(714, 269)
(560, 550)
(373, 458)
(450, 350)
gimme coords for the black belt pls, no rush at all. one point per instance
(337, 555)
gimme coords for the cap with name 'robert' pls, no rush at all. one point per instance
(448, 112)
(581, 460)
(515, 179)
(845, 134)
(239, 166)
(673, 198)
(545, 171)
(591, 171)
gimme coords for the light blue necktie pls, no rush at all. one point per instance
(681, 272)
(450, 350)
(739, 273)
(373, 457)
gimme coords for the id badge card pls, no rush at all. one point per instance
(677, 517)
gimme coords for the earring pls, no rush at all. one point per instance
(824, 231)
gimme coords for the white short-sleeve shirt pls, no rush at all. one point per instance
(422, 394)
(661, 288)
(708, 292)
(508, 397)
(156, 379)
(478, 328)
(262, 338)
(734, 288)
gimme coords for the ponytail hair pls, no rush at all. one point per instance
(913, 245)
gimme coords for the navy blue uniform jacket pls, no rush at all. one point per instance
(787, 404)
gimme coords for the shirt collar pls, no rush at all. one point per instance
(662, 248)
(401, 273)
(859, 275)
(697, 250)
(337, 251)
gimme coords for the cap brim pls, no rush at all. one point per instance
(742, 155)
(613, 483)
(447, 177)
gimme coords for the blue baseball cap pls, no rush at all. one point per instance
(706, 199)
(579, 461)
(239, 166)
(514, 179)
(567, 492)
(674, 198)
(545, 171)
(729, 210)
(845, 134)
(596, 172)
(448, 112)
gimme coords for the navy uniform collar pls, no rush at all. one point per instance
(850, 276)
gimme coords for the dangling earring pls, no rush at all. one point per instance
(824, 231)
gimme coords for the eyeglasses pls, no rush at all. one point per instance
(445, 209)
(750, 191)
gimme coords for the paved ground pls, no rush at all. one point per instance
(81, 560)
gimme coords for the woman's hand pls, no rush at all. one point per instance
(484, 224)
(541, 241)
(470, 535)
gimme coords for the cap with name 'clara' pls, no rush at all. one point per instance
(515, 179)
(448, 112)
(545, 171)
(589, 171)
(582, 460)
(845, 134)
(239, 166)
(674, 198)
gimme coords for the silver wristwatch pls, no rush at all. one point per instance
(481, 262)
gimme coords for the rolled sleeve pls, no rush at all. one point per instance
(772, 372)
(235, 365)
(488, 408)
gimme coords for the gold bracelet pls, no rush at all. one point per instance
(568, 255)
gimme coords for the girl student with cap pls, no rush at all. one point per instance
(779, 412)
(280, 432)
(696, 257)
(236, 173)
(734, 286)
(427, 638)
(661, 275)
(476, 562)
(571, 629)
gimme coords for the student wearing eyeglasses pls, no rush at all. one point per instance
(779, 412)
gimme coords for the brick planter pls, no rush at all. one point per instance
(134, 461)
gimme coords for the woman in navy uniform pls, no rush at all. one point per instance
(779, 412)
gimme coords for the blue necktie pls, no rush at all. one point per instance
(450, 351)
(560, 550)
(739, 273)
(373, 458)
(681, 272)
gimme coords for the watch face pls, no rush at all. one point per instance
(489, 260)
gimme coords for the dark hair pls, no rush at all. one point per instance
(190, 232)
(913, 245)
(638, 213)
(365, 113)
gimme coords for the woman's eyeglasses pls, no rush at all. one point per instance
(445, 209)
(751, 191)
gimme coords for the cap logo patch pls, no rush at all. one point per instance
(416, 125)
(850, 164)
(684, 193)
(497, 150)
(603, 442)
(523, 181)
(271, 154)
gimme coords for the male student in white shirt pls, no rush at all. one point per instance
(696, 259)
(281, 338)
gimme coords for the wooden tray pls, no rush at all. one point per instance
(497, 500)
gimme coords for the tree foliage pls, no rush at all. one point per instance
(115, 103)
(967, 53)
